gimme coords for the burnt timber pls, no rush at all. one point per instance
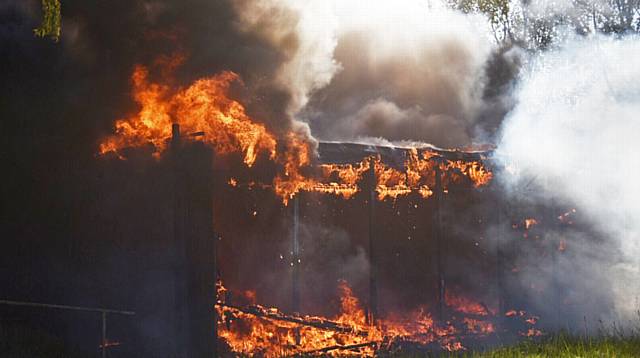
(394, 156)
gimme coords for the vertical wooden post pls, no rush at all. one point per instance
(104, 334)
(180, 286)
(295, 249)
(437, 233)
(194, 283)
(295, 274)
(373, 261)
(214, 246)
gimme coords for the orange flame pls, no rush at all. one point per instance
(465, 305)
(205, 106)
(529, 223)
(268, 332)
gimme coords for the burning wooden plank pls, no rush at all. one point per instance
(350, 347)
(311, 321)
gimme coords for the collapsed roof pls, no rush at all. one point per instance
(395, 156)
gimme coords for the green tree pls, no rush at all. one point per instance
(537, 25)
(51, 20)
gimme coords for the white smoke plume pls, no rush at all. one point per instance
(403, 70)
(411, 70)
(574, 132)
(306, 34)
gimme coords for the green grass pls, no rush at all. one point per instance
(19, 342)
(563, 345)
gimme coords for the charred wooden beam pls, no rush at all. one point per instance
(295, 251)
(395, 156)
(295, 273)
(214, 247)
(373, 260)
(342, 347)
(194, 277)
(437, 235)
(179, 232)
(316, 322)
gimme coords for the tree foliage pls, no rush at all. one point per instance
(51, 20)
(535, 24)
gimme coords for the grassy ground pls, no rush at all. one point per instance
(563, 345)
(24, 342)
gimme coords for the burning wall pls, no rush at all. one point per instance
(204, 107)
(84, 82)
(270, 168)
(402, 179)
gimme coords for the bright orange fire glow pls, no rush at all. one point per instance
(465, 305)
(269, 332)
(529, 223)
(204, 107)
(261, 331)
(201, 107)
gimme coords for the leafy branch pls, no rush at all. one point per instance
(51, 19)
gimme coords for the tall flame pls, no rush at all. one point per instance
(205, 106)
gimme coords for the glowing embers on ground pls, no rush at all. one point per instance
(205, 107)
(255, 330)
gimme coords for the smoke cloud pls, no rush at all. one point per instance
(405, 70)
(573, 134)
(336, 70)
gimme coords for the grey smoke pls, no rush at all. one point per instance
(573, 134)
(403, 71)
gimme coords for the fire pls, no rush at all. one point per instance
(259, 331)
(201, 107)
(297, 156)
(532, 332)
(352, 313)
(465, 305)
(475, 171)
(511, 313)
(566, 217)
(562, 245)
(266, 331)
(529, 223)
(417, 175)
(204, 107)
(476, 325)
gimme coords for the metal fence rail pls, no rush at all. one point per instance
(104, 311)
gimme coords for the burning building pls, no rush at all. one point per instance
(213, 211)
(329, 247)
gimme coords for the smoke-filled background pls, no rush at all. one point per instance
(401, 71)
(572, 135)
(552, 86)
